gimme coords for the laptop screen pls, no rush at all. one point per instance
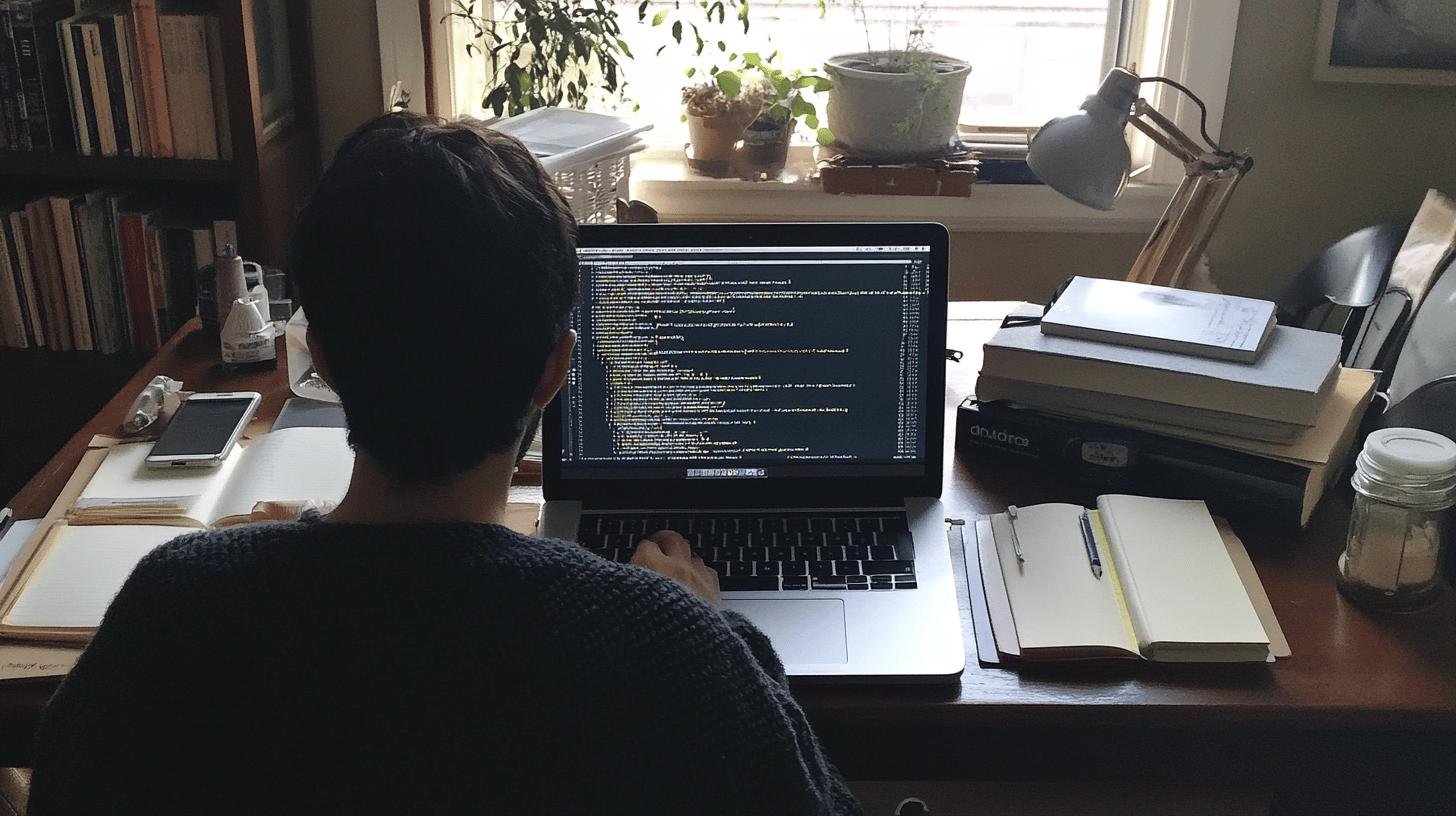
(745, 360)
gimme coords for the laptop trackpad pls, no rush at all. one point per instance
(802, 630)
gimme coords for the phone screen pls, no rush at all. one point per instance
(201, 427)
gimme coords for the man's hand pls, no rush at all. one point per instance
(667, 553)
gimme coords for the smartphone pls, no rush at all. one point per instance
(204, 429)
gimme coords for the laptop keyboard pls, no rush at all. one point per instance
(788, 551)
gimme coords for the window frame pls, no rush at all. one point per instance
(1190, 41)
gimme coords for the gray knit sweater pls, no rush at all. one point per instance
(442, 668)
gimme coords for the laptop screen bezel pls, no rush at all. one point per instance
(772, 491)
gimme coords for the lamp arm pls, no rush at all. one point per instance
(1202, 113)
(1174, 142)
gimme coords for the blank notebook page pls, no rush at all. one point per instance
(82, 571)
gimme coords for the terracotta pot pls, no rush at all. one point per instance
(715, 138)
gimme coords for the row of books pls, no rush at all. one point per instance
(113, 78)
(1266, 434)
(104, 270)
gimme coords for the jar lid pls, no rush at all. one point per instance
(1412, 451)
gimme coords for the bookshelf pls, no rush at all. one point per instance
(267, 77)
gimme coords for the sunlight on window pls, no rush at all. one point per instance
(1031, 59)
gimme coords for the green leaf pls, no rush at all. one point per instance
(691, 72)
(642, 10)
(677, 31)
(722, 46)
(622, 44)
(752, 59)
(822, 84)
(811, 121)
(659, 18)
(824, 137)
(730, 83)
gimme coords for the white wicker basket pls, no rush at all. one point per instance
(592, 189)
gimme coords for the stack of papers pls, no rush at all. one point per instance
(562, 138)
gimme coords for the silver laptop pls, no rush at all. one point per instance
(775, 394)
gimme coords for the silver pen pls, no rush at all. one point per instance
(1090, 540)
(1015, 540)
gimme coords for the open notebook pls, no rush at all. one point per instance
(1170, 591)
(285, 465)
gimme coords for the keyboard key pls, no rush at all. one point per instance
(806, 554)
(857, 586)
(864, 539)
(894, 524)
(882, 552)
(620, 540)
(701, 525)
(857, 579)
(831, 553)
(736, 539)
(755, 554)
(767, 568)
(821, 525)
(635, 526)
(905, 585)
(780, 554)
(749, 525)
(719, 567)
(796, 583)
(747, 584)
(828, 583)
(773, 525)
(739, 569)
(889, 567)
(903, 543)
(797, 524)
(795, 568)
(856, 553)
(881, 582)
(821, 569)
(836, 539)
(847, 524)
(847, 568)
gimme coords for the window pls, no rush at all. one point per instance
(1031, 59)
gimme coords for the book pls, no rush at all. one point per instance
(1236, 477)
(103, 271)
(189, 85)
(1169, 590)
(44, 109)
(99, 102)
(1202, 324)
(111, 37)
(12, 319)
(290, 464)
(13, 133)
(46, 269)
(224, 126)
(137, 278)
(144, 30)
(68, 254)
(1095, 405)
(18, 233)
(73, 52)
(1286, 384)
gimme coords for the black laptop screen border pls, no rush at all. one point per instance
(839, 490)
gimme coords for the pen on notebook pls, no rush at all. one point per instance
(7, 518)
(1090, 541)
(1015, 540)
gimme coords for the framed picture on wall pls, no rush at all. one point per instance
(1407, 42)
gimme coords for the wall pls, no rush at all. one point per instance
(346, 68)
(1330, 158)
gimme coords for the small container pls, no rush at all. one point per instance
(248, 338)
(1405, 483)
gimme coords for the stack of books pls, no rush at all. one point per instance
(1171, 393)
(118, 79)
(102, 270)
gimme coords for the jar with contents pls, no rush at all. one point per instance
(1405, 484)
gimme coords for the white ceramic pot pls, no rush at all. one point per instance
(894, 104)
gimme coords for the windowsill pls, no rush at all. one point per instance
(661, 178)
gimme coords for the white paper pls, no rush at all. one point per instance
(124, 480)
(14, 539)
(293, 464)
(82, 572)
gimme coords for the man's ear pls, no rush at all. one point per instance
(320, 360)
(558, 363)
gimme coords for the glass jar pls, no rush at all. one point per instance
(1405, 481)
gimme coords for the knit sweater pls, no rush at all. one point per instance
(317, 668)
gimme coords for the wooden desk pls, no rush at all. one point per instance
(1362, 714)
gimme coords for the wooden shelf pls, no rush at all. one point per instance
(111, 168)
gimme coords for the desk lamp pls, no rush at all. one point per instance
(1084, 157)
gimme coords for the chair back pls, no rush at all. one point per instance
(1351, 273)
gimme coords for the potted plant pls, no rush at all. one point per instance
(718, 112)
(898, 104)
(766, 140)
(546, 52)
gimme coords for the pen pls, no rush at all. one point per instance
(7, 518)
(1091, 541)
(1015, 541)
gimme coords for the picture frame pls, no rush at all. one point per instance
(1392, 42)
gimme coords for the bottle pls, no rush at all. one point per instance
(1405, 484)
(231, 282)
(247, 339)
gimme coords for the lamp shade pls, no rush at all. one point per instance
(1083, 156)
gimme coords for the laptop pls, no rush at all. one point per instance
(775, 393)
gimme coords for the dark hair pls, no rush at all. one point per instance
(437, 265)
